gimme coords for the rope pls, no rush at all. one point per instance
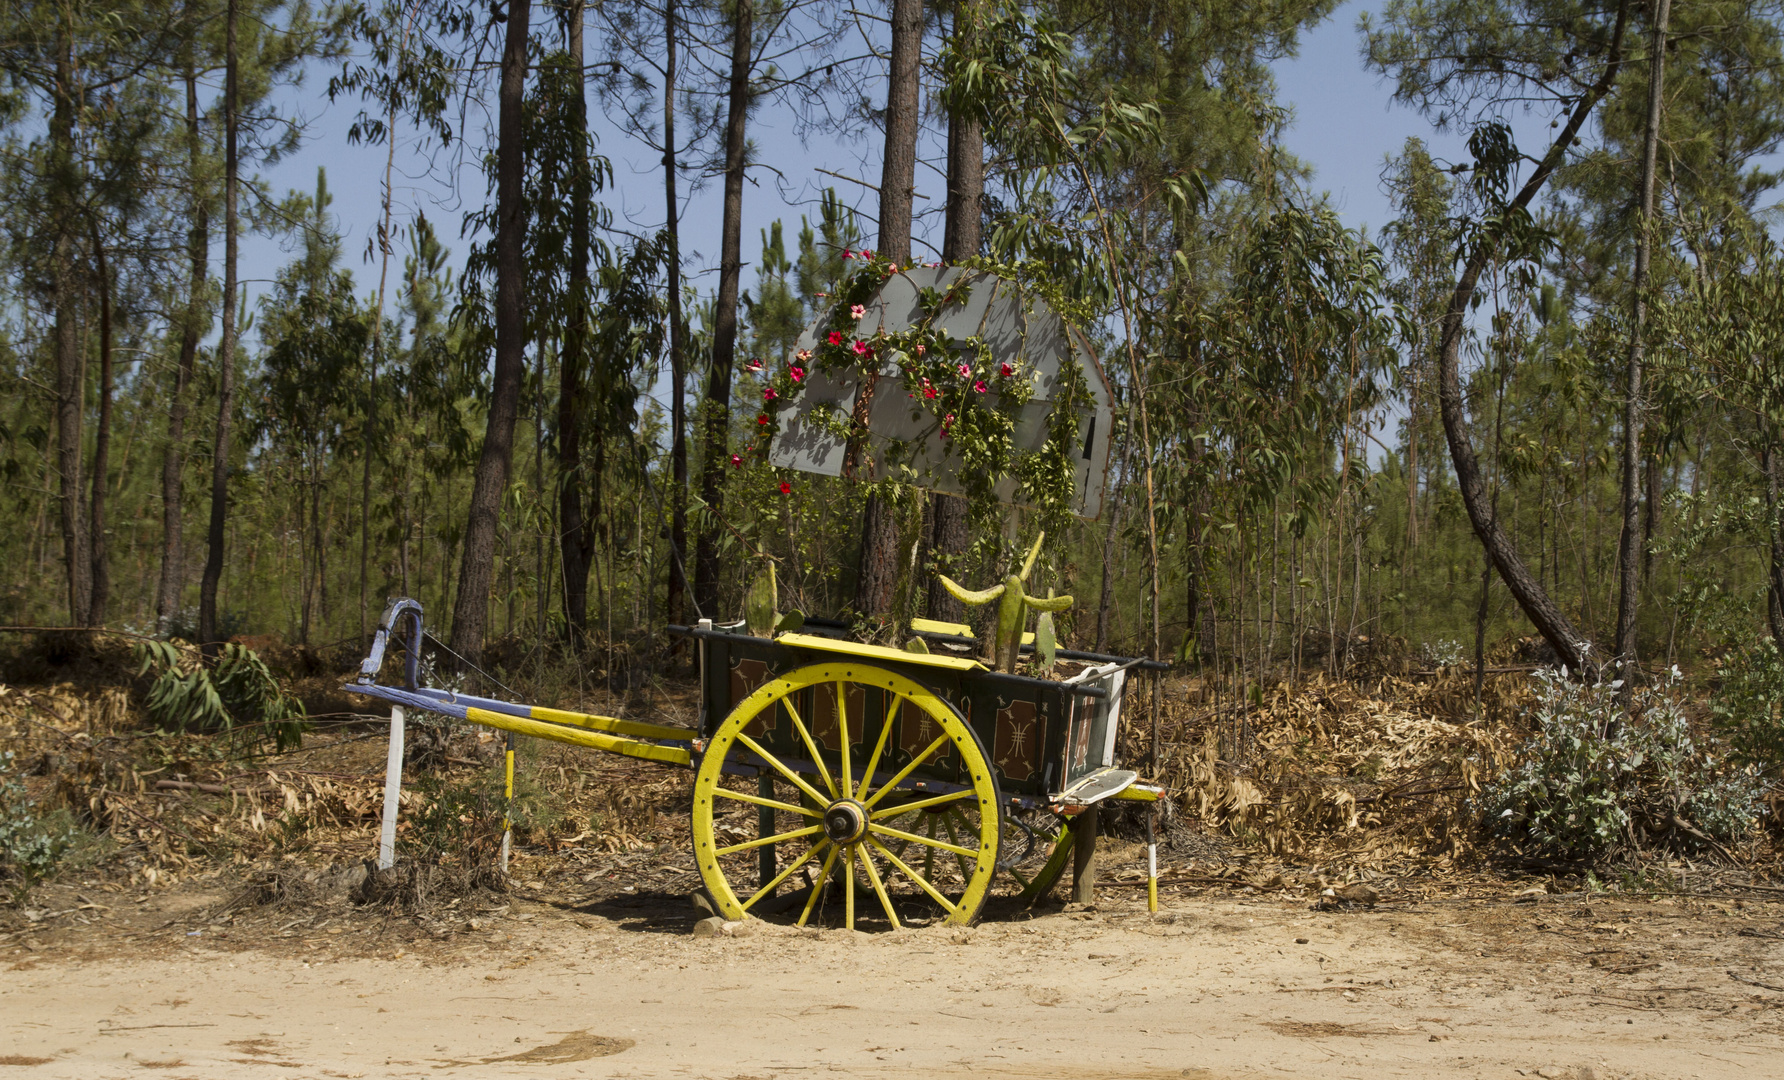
(510, 690)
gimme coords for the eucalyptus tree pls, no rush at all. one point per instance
(60, 60)
(315, 333)
(1467, 61)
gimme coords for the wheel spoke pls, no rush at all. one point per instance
(785, 874)
(746, 845)
(842, 727)
(908, 769)
(905, 808)
(878, 748)
(817, 759)
(848, 886)
(797, 780)
(817, 889)
(873, 878)
(928, 853)
(914, 838)
(948, 820)
(916, 878)
(742, 796)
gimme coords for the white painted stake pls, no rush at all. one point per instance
(393, 790)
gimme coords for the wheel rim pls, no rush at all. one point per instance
(846, 816)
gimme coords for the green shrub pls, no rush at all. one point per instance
(238, 695)
(31, 842)
(1598, 780)
(1748, 706)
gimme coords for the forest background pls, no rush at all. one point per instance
(1541, 402)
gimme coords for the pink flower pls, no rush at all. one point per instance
(920, 349)
(737, 461)
(947, 422)
(856, 311)
(755, 365)
(966, 369)
(847, 254)
(862, 348)
(1006, 371)
(836, 337)
(928, 390)
(892, 269)
(980, 386)
(802, 355)
(769, 394)
(865, 254)
(786, 488)
(797, 373)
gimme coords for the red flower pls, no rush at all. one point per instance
(762, 420)
(836, 337)
(847, 254)
(797, 373)
(755, 365)
(769, 394)
(786, 488)
(980, 386)
(737, 461)
(865, 254)
(1006, 371)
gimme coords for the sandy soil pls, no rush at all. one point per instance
(111, 985)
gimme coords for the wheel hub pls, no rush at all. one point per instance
(845, 822)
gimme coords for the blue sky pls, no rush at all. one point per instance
(1344, 127)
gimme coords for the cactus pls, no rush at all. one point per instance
(760, 606)
(1012, 612)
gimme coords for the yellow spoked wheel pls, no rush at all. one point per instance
(840, 822)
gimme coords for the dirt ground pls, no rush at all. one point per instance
(100, 983)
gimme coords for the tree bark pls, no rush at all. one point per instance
(1569, 645)
(576, 535)
(960, 240)
(716, 409)
(470, 613)
(192, 328)
(101, 438)
(1629, 543)
(213, 562)
(70, 383)
(678, 340)
(876, 578)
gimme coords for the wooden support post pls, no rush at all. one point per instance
(393, 790)
(1084, 856)
(1151, 857)
(508, 807)
(766, 865)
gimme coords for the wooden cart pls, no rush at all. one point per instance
(902, 780)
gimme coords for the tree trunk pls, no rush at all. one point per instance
(716, 410)
(101, 439)
(877, 572)
(192, 328)
(470, 614)
(213, 561)
(70, 384)
(576, 535)
(1629, 541)
(678, 341)
(1569, 645)
(960, 240)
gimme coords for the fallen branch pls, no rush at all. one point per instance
(1755, 982)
